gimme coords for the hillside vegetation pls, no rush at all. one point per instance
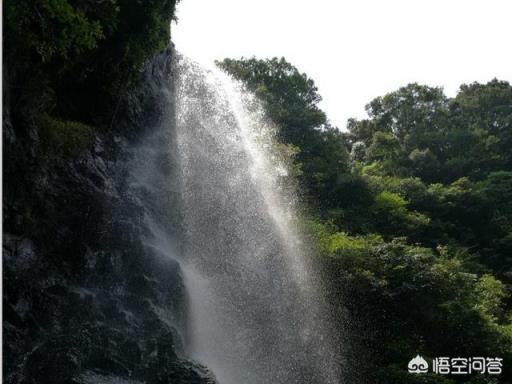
(410, 211)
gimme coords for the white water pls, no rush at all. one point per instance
(217, 201)
(255, 312)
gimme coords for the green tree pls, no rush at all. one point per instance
(291, 100)
(75, 58)
(488, 107)
(410, 216)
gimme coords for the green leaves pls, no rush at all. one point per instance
(409, 214)
(291, 97)
(85, 53)
(439, 139)
(68, 32)
(52, 28)
(490, 294)
(291, 101)
(63, 138)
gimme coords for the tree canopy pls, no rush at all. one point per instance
(74, 58)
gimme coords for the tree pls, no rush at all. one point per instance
(411, 114)
(75, 58)
(413, 229)
(291, 100)
(488, 107)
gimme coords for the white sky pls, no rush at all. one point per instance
(356, 50)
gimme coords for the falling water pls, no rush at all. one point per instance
(255, 315)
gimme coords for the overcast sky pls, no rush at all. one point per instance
(356, 50)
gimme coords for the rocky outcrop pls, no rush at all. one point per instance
(86, 300)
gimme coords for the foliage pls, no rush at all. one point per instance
(436, 138)
(70, 32)
(82, 54)
(291, 101)
(290, 96)
(444, 308)
(64, 138)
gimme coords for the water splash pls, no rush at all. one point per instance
(255, 312)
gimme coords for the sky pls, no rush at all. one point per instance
(356, 50)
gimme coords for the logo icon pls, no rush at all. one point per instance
(418, 365)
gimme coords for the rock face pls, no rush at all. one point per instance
(86, 300)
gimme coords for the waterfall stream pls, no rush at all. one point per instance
(254, 310)
(254, 313)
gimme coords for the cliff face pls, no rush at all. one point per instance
(87, 299)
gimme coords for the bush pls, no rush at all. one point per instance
(444, 307)
(85, 53)
(52, 28)
(64, 138)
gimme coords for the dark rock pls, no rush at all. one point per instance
(85, 300)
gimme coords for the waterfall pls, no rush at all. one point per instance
(219, 210)
(255, 313)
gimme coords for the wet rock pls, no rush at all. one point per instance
(85, 300)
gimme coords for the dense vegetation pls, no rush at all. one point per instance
(74, 58)
(411, 213)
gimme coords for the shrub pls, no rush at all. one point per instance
(64, 138)
(85, 53)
